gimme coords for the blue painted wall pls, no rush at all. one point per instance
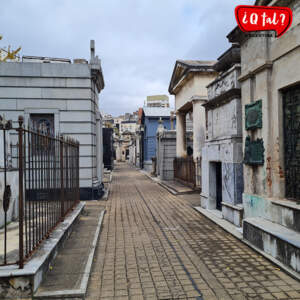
(151, 124)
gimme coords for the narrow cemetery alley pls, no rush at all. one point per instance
(150, 150)
(154, 245)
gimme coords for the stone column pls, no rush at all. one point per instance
(199, 126)
(172, 120)
(180, 134)
(119, 152)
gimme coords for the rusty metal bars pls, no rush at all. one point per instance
(184, 170)
(48, 165)
(198, 181)
(48, 168)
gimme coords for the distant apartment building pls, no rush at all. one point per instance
(128, 122)
(63, 96)
(108, 121)
(128, 126)
(157, 101)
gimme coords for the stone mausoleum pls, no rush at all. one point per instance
(166, 152)
(270, 84)
(188, 85)
(222, 166)
(63, 96)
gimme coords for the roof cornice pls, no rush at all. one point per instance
(188, 70)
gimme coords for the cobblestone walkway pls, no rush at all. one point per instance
(155, 246)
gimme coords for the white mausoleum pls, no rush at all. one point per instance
(64, 97)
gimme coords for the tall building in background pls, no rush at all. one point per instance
(157, 101)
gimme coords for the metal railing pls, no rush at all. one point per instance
(48, 171)
(184, 170)
(198, 164)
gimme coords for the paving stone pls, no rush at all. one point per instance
(153, 245)
(267, 296)
(293, 294)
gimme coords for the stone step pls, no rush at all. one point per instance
(276, 240)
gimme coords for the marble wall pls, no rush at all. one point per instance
(224, 144)
(69, 92)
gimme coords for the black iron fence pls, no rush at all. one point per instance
(198, 164)
(188, 171)
(184, 170)
(48, 172)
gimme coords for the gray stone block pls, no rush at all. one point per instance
(20, 92)
(65, 93)
(65, 70)
(276, 240)
(79, 105)
(77, 116)
(8, 104)
(23, 104)
(232, 183)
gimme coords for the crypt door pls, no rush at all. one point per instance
(218, 185)
(291, 123)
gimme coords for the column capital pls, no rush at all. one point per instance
(180, 113)
(200, 99)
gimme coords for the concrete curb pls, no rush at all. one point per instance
(170, 190)
(167, 187)
(230, 228)
(77, 293)
(39, 263)
(173, 192)
(13, 225)
(233, 231)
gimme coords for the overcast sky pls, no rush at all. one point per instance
(138, 41)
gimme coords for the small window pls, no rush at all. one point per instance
(43, 122)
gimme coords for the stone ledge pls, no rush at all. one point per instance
(238, 233)
(171, 186)
(234, 93)
(279, 231)
(235, 207)
(281, 243)
(226, 225)
(39, 263)
(287, 203)
(233, 213)
(226, 139)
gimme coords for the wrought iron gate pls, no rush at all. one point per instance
(291, 109)
(184, 170)
(48, 176)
